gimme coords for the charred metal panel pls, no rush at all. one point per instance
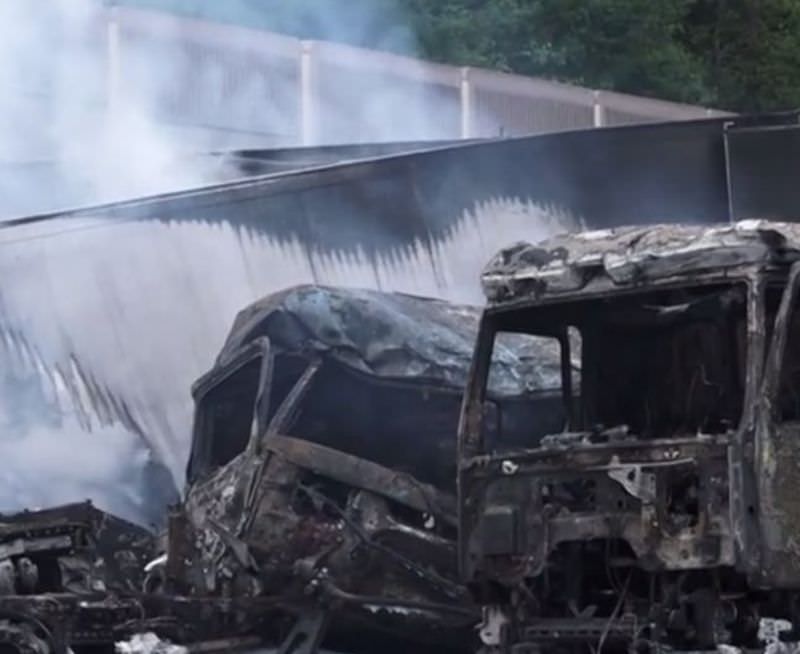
(613, 176)
(570, 263)
(608, 493)
(207, 168)
(273, 160)
(779, 508)
(75, 548)
(763, 163)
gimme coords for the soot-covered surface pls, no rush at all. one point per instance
(389, 335)
(392, 371)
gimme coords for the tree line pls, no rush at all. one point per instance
(739, 55)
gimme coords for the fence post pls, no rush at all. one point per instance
(467, 100)
(112, 59)
(308, 119)
(599, 110)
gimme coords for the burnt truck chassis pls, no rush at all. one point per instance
(72, 578)
(307, 515)
(677, 529)
(322, 472)
(323, 505)
(75, 578)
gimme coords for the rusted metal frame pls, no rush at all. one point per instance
(262, 407)
(780, 335)
(566, 379)
(280, 420)
(287, 409)
(360, 473)
(742, 479)
(653, 451)
(259, 347)
(470, 439)
(453, 590)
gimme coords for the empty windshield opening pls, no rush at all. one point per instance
(659, 363)
(672, 364)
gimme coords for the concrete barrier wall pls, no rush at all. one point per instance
(225, 86)
(117, 99)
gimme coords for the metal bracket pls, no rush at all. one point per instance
(639, 484)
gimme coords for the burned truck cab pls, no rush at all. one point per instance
(321, 483)
(666, 510)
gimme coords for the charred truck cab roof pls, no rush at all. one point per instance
(675, 481)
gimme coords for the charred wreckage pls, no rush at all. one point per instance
(604, 458)
(321, 495)
(664, 514)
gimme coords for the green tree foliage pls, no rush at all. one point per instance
(742, 55)
(612, 44)
(750, 50)
(734, 54)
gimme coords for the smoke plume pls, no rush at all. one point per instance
(105, 325)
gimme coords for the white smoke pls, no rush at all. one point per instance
(44, 467)
(102, 102)
(64, 141)
(145, 305)
(71, 132)
(51, 455)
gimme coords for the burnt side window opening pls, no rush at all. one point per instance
(526, 390)
(226, 413)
